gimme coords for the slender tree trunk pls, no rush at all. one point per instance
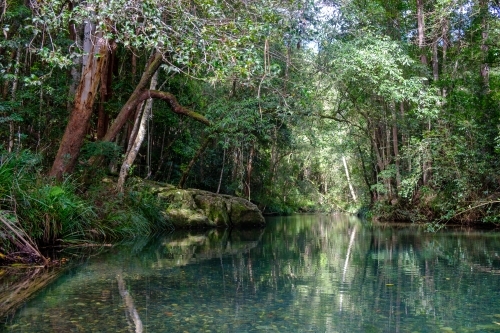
(249, 171)
(435, 60)
(139, 138)
(485, 68)
(74, 134)
(421, 31)
(351, 188)
(222, 170)
(446, 42)
(131, 104)
(15, 82)
(426, 166)
(395, 146)
(366, 176)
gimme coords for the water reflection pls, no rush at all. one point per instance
(301, 274)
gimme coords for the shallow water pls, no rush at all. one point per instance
(310, 273)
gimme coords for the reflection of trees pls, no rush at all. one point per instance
(325, 273)
(22, 284)
(382, 274)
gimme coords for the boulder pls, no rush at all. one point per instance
(193, 208)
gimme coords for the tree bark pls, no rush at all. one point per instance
(426, 166)
(421, 31)
(249, 171)
(139, 138)
(105, 91)
(351, 188)
(395, 145)
(131, 104)
(221, 170)
(17, 68)
(74, 134)
(485, 68)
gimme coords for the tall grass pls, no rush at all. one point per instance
(135, 213)
(53, 212)
(13, 236)
(35, 210)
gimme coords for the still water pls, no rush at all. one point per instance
(312, 273)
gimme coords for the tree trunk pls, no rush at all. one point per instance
(74, 134)
(421, 31)
(105, 91)
(485, 68)
(435, 60)
(222, 170)
(426, 166)
(75, 34)
(133, 101)
(249, 171)
(395, 145)
(351, 188)
(139, 138)
(446, 42)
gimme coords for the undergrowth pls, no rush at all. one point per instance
(40, 211)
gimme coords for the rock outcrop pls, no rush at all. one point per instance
(192, 208)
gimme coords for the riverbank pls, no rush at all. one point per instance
(39, 212)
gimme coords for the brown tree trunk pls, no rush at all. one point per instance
(222, 170)
(132, 102)
(74, 134)
(105, 91)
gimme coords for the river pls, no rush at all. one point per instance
(304, 273)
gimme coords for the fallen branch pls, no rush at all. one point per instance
(20, 238)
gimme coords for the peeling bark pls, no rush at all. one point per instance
(74, 134)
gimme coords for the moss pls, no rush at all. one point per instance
(215, 209)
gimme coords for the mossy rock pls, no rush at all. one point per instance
(243, 213)
(186, 208)
(178, 198)
(214, 207)
(188, 218)
(192, 208)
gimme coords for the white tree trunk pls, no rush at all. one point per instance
(139, 138)
(351, 188)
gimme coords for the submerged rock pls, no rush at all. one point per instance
(192, 208)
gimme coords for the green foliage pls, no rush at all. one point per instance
(136, 213)
(110, 151)
(54, 212)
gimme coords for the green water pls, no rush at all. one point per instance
(300, 274)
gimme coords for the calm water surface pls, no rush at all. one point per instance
(301, 274)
